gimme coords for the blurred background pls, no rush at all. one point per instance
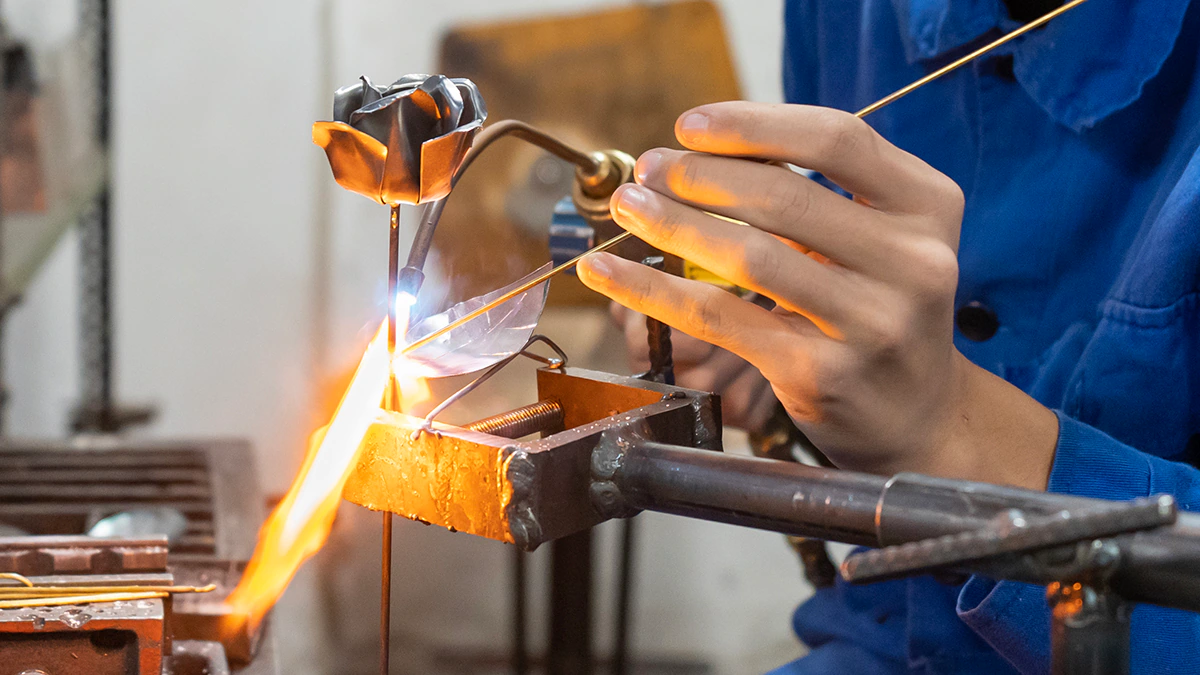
(244, 282)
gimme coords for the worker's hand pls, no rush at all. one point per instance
(859, 348)
(746, 398)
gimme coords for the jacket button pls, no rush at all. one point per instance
(976, 321)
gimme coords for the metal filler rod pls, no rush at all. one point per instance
(886, 100)
(394, 269)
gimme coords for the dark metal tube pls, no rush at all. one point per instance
(762, 493)
(1158, 566)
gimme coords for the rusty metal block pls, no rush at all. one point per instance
(106, 638)
(121, 638)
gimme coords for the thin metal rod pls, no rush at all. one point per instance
(544, 276)
(519, 129)
(391, 399)
(385, 596)
(393, 275)
(89, 598)
(36, 591)
(955, 65)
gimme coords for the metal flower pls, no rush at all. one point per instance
(404, 142)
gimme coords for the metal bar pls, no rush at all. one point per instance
(1011, 533)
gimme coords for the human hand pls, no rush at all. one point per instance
(746, 398)
(859, 348)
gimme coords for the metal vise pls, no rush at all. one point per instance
(524, 492)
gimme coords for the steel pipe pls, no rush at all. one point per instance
(1157, 566)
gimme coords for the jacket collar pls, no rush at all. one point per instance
(1080, 68)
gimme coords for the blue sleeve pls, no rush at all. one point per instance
(1014, 618)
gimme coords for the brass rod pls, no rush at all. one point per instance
(36, 591)
(955, 65)
(19, 578)
(886, 100)
(544, 276)
(80, 599)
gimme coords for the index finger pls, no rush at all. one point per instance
(705, 312)
(836, 143)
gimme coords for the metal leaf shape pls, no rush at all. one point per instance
(484, 340)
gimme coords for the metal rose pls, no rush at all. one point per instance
(401, 143)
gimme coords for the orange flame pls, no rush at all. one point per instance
(300, 524)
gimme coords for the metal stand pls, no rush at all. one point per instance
(570, 620)
(97, 410)
(570, 651)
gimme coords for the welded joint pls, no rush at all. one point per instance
(608, 459)
(521, 509)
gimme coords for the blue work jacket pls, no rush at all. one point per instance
(1076, 148)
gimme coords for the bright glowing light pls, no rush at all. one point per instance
(300, 524)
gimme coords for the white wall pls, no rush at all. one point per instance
(245, 279)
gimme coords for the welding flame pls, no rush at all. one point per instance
(300, 524)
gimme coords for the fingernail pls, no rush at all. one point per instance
(634, 202)
(693, 126)
(598, 264)
(646, 164)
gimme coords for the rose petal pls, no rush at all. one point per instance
(407, 83)
(473, 106)
(370, 92)
(440, 159)
(346, 100)
(357, 160)
(447, 102)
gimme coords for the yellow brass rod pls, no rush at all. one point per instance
(544, 276)
(955, 65)
(79, 599)
(31, 591)
(890, 98)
